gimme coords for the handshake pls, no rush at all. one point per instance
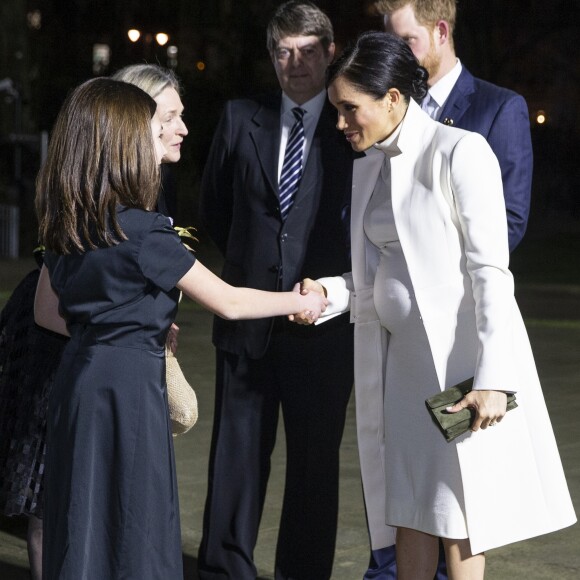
(315, 294)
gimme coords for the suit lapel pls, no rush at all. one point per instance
(312, 175)
(459, 99)
(411, 191)
(266, 138)
(365, 174)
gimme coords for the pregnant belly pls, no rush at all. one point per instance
(393, 293)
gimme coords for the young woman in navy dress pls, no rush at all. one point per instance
(111, 279)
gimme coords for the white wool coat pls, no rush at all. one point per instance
(450, 216)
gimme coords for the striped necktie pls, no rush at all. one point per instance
(292, 166)
(430, 106)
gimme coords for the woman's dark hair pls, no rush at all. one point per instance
(377, 62)
(101, 154)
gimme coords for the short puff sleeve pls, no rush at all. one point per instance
(163, 258)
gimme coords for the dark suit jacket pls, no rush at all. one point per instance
(501, 116)
(240, 210)
(167, 199)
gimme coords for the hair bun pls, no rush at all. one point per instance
(419, 83)
(421, 73)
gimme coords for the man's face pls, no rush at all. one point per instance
(420, 39)
(301, 63)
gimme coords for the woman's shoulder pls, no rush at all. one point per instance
(135, 215)
(470, 143)
(449, 141)
(139, 221)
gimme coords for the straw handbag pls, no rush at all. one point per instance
(181, 397)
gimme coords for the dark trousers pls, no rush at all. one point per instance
(308, 373)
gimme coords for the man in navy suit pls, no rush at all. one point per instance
(459, 99)
(263, 366)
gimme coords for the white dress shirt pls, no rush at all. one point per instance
(440, 92)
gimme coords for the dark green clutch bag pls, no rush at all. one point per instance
(453, 425)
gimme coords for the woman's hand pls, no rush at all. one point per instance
(171, 342)
(489, 406)
(315, 302)
(308, 284)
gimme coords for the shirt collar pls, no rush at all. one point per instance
(441, 90)
(312, 107)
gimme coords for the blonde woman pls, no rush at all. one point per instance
(164, 88)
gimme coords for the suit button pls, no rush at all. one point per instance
(274, 268)
(283, 237)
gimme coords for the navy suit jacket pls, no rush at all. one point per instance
(240, 210)
(501, 116)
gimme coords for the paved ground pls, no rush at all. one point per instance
(552, 314)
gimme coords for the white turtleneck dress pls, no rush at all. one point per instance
(423, 481)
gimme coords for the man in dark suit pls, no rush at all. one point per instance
(459, 99)
(271, 238)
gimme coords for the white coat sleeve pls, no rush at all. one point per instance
(338, 294)
(477, 189)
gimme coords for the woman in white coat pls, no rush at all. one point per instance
(432, 301)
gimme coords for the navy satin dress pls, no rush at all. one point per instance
(111, 508)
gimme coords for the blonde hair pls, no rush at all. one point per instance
(148, 77)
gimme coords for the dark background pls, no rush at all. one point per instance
(46, 48)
